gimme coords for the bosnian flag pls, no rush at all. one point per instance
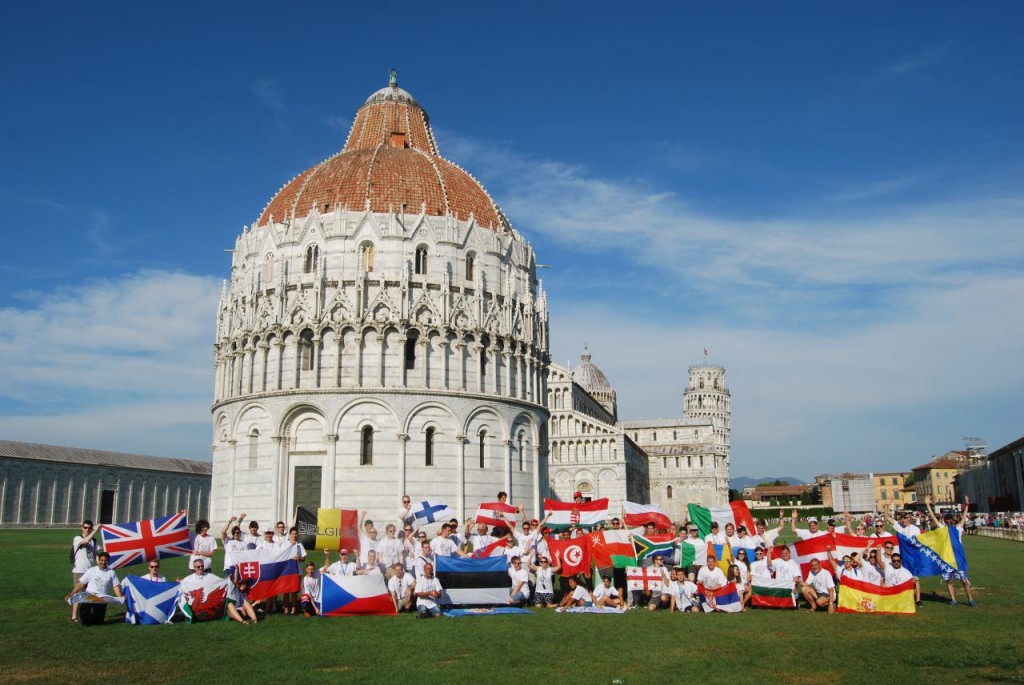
(431, 511)
(803, 551)
(735, 513)
(474, 581)
(612, 548)
(725, 598)
(772, 593)
(355, 596)
(642, 514)
(496, 514)
(567, 514)
(148, 602)
(270, 572)
(142, 541)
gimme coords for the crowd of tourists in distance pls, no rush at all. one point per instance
(406, 554)
(1007, 520)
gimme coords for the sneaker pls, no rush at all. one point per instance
(952, 602)
(920, 604)
(973, 603)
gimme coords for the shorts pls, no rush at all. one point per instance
(660, 601)
(428, 612)
(520, 598)
(819, 595)
(544, 598)
(955, 575)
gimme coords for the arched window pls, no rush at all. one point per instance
(521, 467)
(668, 492)
(366, 447)
(366, 257)
(421, 260)
(716, 384)
(654, 436)
(410, 352)
(428, 447)
(268, 270)
(312, 258)
(701, 383)
(483, 447)
(470, 263)
(254, 439)
(306, 350)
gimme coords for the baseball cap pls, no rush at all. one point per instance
(577, 494)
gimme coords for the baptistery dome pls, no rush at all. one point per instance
(383, 333)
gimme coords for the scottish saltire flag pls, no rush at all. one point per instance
(735, 513)
(270, 572)
(772, 593)
(856, 596)
(659, 544)
(468, 581)
(203, 599)
(429, 512)
(934, 553)
(148, 602)
(139, 542)
(355, 596)
(725, 598)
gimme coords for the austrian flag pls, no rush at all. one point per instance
(142, 541)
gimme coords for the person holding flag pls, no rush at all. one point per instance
(83, 557)
(956, 530)
(544, 594)
(97, 580)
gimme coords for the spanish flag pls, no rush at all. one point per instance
(858, 597)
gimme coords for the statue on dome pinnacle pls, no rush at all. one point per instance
(393, 79)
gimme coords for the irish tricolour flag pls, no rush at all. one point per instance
(735, 513)
(567, 514)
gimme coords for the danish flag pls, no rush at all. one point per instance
(141, 541)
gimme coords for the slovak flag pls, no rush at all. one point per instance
(355, 596)
(431, 511)
(490, 513)
(270, 572)
(142, 541)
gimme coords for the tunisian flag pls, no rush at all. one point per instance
(575, 554)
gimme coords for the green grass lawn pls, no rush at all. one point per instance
(939, 645)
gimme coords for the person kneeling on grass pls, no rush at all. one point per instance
(520, 593)
(96, 580)
(310, 599)
(577, 595)
(237, 605)
(605, 595)
(401, 587)
(428, 591)
(819, 589)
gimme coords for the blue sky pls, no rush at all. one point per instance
(828, 196)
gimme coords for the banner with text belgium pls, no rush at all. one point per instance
(331, 529)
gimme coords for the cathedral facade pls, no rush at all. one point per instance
(383, 333)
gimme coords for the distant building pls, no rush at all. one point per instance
(996, 483)
(783, 495)
(935, 478)
(47, 486)
(852, 492)
(889, 490)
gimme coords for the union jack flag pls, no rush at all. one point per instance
(138, 542)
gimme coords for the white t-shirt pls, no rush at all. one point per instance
(251, 541)
(744, 573)
(768, 538)
(602, 591)
(203, 543)
(685, 594)
(522, 575)
(580, 593)
(895, 576)
(442, 547)
(821, 581)
(398, 585)
(910, 530)
(389, 551)
(422, 561)
(268, 545)
(806, 534)
(156, 578)
(231, 546)
(342, 568)
(870, 574)
(759, 568)
(311, 586)
(85, 557)
(718, 538)
(712, 579)
(786, 570)
(99, 582)
(544, 580)
(365, 545)
(480, 542)
(298, 550)
(427, 585)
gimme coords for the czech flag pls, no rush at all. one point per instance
(355, 596)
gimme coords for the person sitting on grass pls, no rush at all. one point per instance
(310, 599)
(605, 595)
(577, 595)
(97, 580)
(428, 592)
(401, 587)
(957, 530)
(520, 593)
(819, 589)
(237, 604)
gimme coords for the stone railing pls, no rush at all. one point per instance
(1002, 533)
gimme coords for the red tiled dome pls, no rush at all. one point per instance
(390, 162)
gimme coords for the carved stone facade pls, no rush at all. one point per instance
(377, 339)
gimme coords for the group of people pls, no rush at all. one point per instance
(405, 558)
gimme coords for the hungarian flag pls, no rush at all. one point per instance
(270, 572)
(612, 548)
(574, 555)
(496, 514)
(642, 514)
(567, 514)
(771, 593)
(803, 551)
(693, 552)
(468, 581)
(735, 513)
(858, 597)
(644, 579)
(355, 596)
(725, 598)
(659, 544)
(331, 529)
(142, 541)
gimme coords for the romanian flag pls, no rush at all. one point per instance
(641, 514)
(612, 548)
(934, 553)
(331, 529)
(567, 514)
(858, 597)
(653, 545)
(735, 513)
(771, 593)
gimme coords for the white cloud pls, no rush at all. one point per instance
(128, 357)
(268, 93)
(910, 66)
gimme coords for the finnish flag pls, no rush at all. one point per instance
(430, 511)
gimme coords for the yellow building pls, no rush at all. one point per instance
(936, 477)
(889, 489)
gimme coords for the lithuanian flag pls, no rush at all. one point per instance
(858, 597)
